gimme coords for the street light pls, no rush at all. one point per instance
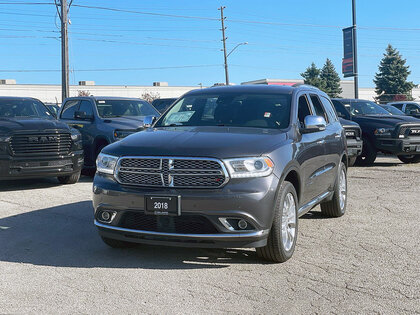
(226, 64)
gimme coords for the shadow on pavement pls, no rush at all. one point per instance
(35, 183)
(64, 236)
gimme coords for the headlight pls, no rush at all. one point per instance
(383, 131)
(106, 163)
(249, 167)
(121, 134)
(75, 135)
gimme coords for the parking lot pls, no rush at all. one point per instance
(53, 261)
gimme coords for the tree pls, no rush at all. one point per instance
(150, 96)
(312, 77)
(331, 79)
(83, 93)
(391, 80)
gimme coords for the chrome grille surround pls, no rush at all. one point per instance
(171, 172)
(42, 144)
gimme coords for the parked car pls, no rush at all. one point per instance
(103, 120)
(393, 110)
(162, 104)
(353, 138)
(408, 107)
(34, 144)
(54, 108)
(381, 131)
(225, 167)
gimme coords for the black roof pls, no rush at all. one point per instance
(350, 100)
(254, 88)
(17, 98)
(96, 98)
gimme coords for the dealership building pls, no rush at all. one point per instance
(51, 93)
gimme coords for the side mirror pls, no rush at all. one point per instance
(314, 124)
(82, 115)
(149, 121)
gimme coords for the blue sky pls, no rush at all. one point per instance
(302, 31)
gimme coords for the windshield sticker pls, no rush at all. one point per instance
(101, 102)
(179, 117)
(267, 115)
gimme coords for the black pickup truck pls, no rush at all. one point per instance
(381, 131)
(353, 139)
(33, 143)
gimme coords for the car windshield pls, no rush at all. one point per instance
(230, 109)
(124, 108)
(393, 110)
(366, 108)
(15, 108)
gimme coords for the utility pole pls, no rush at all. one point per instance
(64, 48)
(222, 18)
(356, 73)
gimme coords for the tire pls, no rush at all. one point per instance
(352, 160)
(368, 155)
(281, 241)
(336, 207)
(70, 179)
(117, 243)
(409, 158)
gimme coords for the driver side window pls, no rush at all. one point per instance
(303, 110)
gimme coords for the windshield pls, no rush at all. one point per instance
(230, 109)
(393, 110)
(367, 108)
(124, 108)
(23, 108)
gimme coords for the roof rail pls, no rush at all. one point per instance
(305, 85)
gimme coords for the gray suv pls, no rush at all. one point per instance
(225, 167)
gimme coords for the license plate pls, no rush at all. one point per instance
(158, 205)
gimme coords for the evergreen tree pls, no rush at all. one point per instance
(312, 77)
(391, 80)
(331, 79)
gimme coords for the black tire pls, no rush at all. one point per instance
(70, 179)
(409, 158)
(335, 208)
(117, 243)
(368, 155)
(352, 160)
(275, 251)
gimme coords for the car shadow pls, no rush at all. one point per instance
(64, 236)
(314, 215)
(35, 183)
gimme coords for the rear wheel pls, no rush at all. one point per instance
(281, 241)
(70, 179)
(409, 158)
(336, 207)
(368, 155)
(117, 243)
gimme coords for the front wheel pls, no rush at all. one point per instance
(352, 160)
(281, 241)
(336, 207)
(409, 158)
(368, 155)
(70, 179)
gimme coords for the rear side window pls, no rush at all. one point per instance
(303, 110)
(410, 108)
(332, 115)
(69, 108)
(319, 109)
(399, 106)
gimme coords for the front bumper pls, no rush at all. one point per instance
(35, 167)
(248, 199)
(398, 146)
(354, 147)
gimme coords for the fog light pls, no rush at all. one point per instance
(105, 216)
(242, 224)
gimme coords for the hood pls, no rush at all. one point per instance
(384, 121)
(348, 123)
(125, 123)
(11, 125)
(217, 142)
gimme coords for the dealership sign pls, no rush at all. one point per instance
(348, 60)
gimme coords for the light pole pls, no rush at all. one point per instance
(226, 63)
(355, 70)
(244, 43)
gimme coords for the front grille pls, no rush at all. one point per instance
(186, 224)
(41, 144)
(171, 172)
(352, 132)
(410, 131)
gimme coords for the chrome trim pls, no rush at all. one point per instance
(224, 170)
(226, 224)
(323, 170)
(114, 213)
(259, 233)
(308, 206)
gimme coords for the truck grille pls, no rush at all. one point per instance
(41, 144)
(410, 131)
(352, 133)
(171, 172)
(186, 224)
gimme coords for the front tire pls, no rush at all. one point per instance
(281, 241)
(368, 155)
(352, 160)
(70, 179)
(336, 207)
(408, 159)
